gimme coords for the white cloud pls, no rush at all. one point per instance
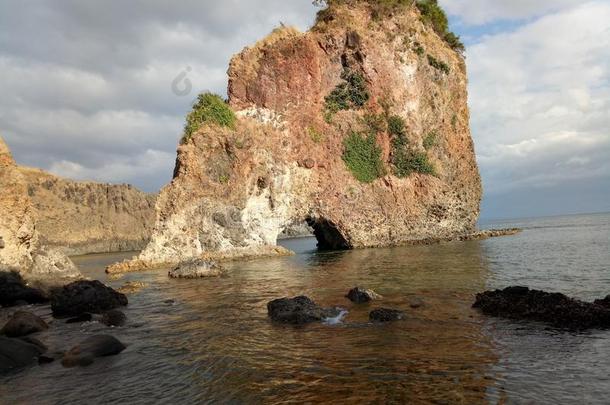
(477, 12)
(540, 97)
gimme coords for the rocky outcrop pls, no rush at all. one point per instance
(361, 295)
(86, 217)
(17, 353)
(554, 308)
(23, 323)
(360, 127)
(23, 250)
(198, 269)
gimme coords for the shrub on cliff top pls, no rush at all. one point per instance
(362, 156)
(210, 108)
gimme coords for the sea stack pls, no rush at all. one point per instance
(359, 127)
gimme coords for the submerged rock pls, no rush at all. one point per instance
(553, 308)
(23, 323)
(85, 296)
(86, 317)
(13, 291)
(131, 287)
(91, 348)
(197, 269)
(416, 303)
(114, 318)
(386, 315)
(18, 353)
(361, 295)
(299, 310)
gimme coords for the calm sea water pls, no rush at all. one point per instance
(214, 343)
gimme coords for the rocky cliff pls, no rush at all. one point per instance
(21, 247)
(86, 217)
(359, 127)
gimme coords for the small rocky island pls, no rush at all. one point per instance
(358, 127)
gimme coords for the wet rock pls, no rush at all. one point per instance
(86, 317)
(386, 315)
(416, 303)
(13, 291)
(91, 348)
(169, 302)
(18, 353)
(131, 287)
(603, 302)
(85, 296)
(23, 323)
(299, 310)
(114, 318)
(197, 269)
(552, 308)
(360, 295)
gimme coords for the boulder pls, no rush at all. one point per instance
(85, 296)
(17, 353)
(603, 302)
(197, 269)
(299, 310)
(552, 308)
(13, 291)
(114, 318)
(360, 295)
(91, 348)
(416, 303)
(23, 323)
(386, 315)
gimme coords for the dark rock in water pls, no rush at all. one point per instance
(197, 269)
(86, 317)
(114, 318)
(361, 295)
(18, 353)
(85, 296)
(386, 315)
(13, 291)
(603, 302)
(169, 302)
(416, 303)
(23, 323)
(45, 360)
(91, 348)
(553, 308)
(298, 311)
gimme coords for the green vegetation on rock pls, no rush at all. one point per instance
(362, 156)
(438, 64)
(352, 93)
(408, 161)
(315, 135)
(209, 109)
(430, 140)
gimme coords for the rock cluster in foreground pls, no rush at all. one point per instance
(552, 308)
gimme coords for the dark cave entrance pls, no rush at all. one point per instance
(327, 234)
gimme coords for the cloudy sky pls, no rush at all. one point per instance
(99, 90)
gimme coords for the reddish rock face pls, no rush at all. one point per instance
(278, 88)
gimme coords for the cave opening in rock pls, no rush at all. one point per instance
(327, 234)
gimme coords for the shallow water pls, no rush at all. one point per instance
(215, 344)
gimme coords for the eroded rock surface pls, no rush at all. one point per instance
(23, 250)
(197, 269)
(553, 308)
(236, 189)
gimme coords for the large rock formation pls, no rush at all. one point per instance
(21, 248)
(285, 160)
(87, 217)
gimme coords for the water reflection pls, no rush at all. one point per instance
(216, 344)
